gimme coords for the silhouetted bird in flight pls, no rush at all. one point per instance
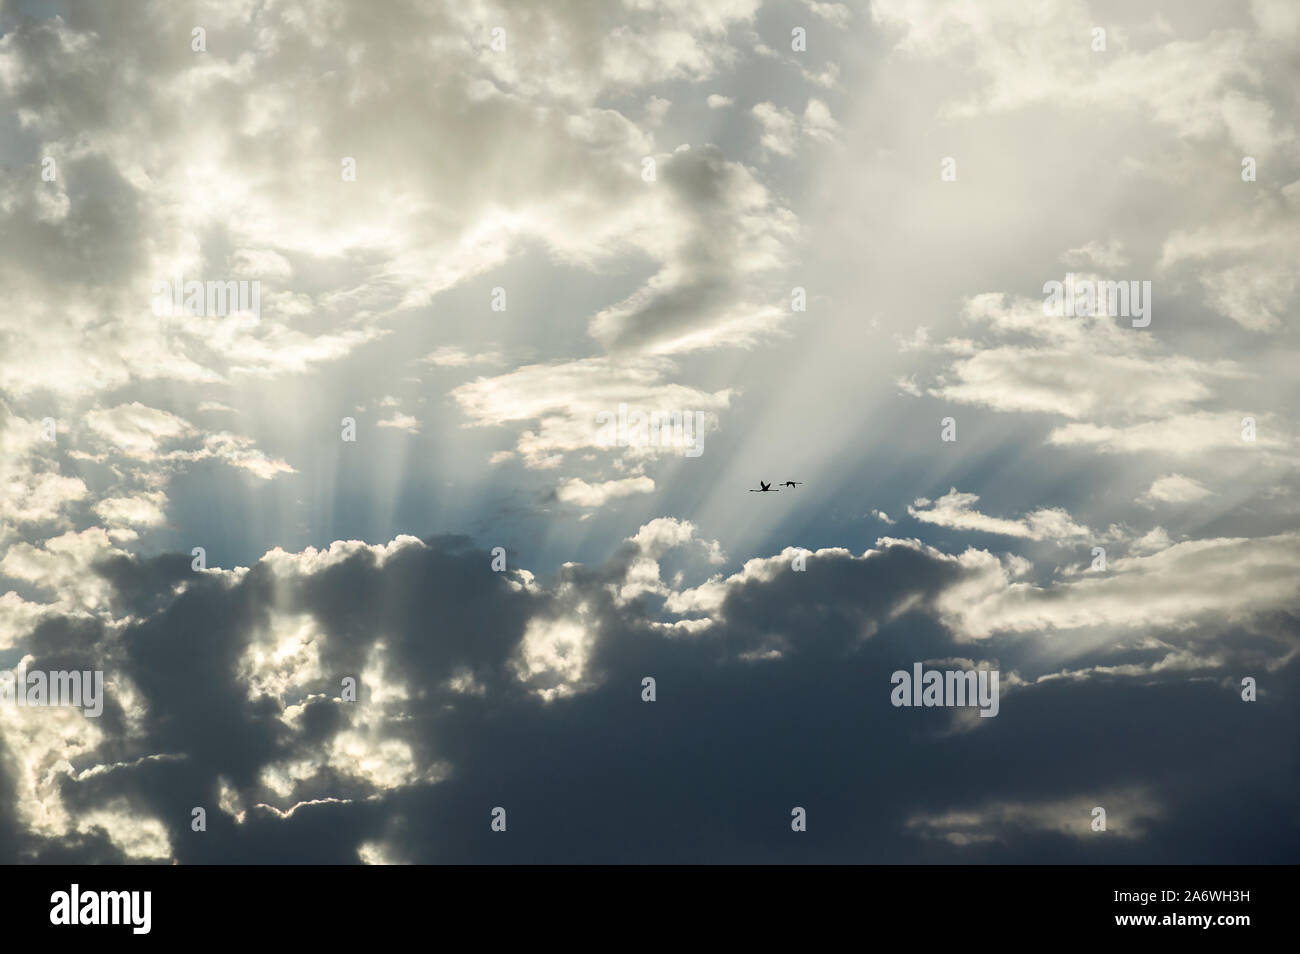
(764, 487)
(791, 483)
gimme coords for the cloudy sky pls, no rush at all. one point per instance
(819, 231)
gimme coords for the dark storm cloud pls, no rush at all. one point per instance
(437, 608)
(708, 772)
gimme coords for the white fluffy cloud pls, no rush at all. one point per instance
(583, 494)
(957, 510)
(1175, 489)
(566, 403)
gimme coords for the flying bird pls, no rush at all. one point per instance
(792, 483)
(764, 487)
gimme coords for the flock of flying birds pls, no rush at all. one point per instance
(765, 487)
